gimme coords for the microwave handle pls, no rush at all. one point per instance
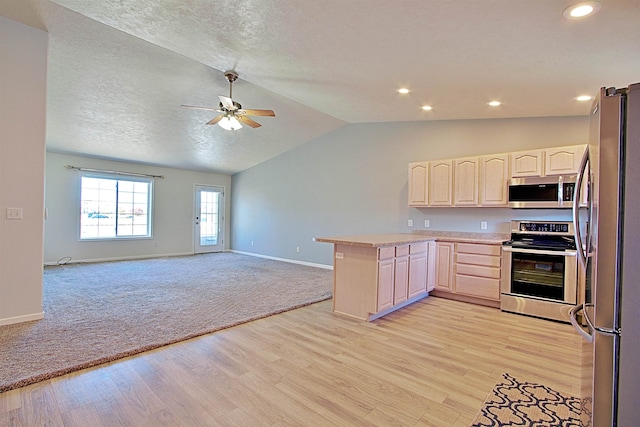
(560, 191)
(582, 256)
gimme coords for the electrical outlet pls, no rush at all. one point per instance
(297, 248)
(427, 224)
(483, 225)
(410, 223)
(14, 213)
(252, 243)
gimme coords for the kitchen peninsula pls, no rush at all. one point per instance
(380, 273)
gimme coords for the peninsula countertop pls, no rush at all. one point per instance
(380, 240)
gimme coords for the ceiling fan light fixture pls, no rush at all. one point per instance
(229, 123)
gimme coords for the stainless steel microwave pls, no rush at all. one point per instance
(549, 192)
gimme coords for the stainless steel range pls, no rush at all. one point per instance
(541, 277)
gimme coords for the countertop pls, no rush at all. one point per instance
(379, 240)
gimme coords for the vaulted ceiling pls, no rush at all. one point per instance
(120, 69)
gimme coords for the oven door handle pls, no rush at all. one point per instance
(538, 251)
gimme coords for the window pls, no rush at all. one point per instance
(113, 206)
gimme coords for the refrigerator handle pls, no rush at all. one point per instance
(599, 329)
(574, 321)
(581, 250)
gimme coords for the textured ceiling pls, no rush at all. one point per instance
(119, 69)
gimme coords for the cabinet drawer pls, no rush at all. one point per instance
(478, 286)
(416, 248)
(478, 270)
(476, 248)
(402, 250)
(490, 261)
(386, 252)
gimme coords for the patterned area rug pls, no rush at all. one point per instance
(515, 403)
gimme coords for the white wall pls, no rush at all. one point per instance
(354, 181)
(173, 211)
(23, 68)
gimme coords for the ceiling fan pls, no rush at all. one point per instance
(232, 112)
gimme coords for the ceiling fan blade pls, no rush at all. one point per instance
(200, 108)
(215, 120)
(247, 121)
(227, 103)
(250, 112)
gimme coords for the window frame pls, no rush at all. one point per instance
(117, 177)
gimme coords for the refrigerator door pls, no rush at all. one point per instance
(629, 384)
(602, 257)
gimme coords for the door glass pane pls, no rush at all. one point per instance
(209, 203)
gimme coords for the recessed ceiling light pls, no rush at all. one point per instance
(427, 107)
(403, 90)
(583, 98)
(580, 10)
(494, 103)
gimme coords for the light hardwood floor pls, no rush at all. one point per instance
(430, 364)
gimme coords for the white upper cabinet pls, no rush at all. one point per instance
(484, 180)
(418, 188)
(563, 160)
(465, 182)
(494, 176)
(550, 161)
(526, 163)
(440, 182)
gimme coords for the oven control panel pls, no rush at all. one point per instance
(542, 227)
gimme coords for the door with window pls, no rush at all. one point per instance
(208, 219)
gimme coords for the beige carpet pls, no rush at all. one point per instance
(516, 403)
(95, 313)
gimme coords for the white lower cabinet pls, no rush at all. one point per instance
(401, 274)
(370, 282)
(418, 267)
(469, 272)
(444, 266)
(386, 278)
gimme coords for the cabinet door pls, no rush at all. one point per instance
(401, 279)
(431, 266)
(417, 274)
(465, 182)
(563, 160)
(444, 266)
(386, 275)
(440, 182)
(494, 178)
(417, 188)
(526, 163)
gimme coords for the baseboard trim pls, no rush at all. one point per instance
(291, 261)
(21, 319)
(126, 258)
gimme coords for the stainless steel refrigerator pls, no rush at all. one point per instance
(608, 231)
